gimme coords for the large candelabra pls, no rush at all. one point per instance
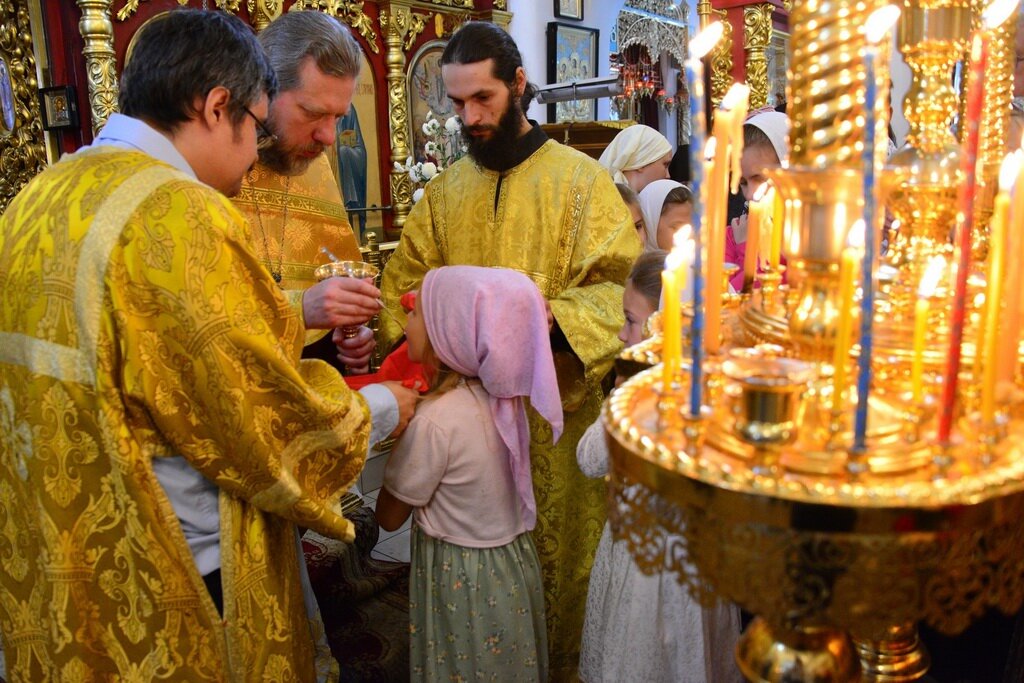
(844, 513)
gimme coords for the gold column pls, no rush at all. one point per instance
(825, 83)
(22, 153)
(395, 21)
(101, 70)
(757, 36)
(720, 58)
(922, 178)
(262, 12)
(995, 123)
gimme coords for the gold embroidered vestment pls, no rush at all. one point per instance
(136, 323)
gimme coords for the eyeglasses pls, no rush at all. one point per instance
(264, 138)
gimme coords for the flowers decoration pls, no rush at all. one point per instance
(444, 146)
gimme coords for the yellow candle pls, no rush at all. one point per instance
(844, 329)
(917, 367)
(754, 219)
(671, 323)
(925, 291)
(715, 244)
(993, 290)
(778, 219)
(738, 103)
(1006, 370)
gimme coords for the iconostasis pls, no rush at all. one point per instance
(79, 49)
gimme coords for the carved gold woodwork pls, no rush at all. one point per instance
(721, 57)
(22, 153)
(417, 22)
(262, 12)
(446, 23)
(757, 36)
(131, 6)
(721, 61)
(349, 11)
(101, 69)
(467, 4)
(395, 22)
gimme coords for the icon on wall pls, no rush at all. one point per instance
(59, 107)
(8, 115)
(569, 9)
(572, 56)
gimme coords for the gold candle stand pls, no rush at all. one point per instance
(818, 555)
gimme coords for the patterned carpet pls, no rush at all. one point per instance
(364, 603)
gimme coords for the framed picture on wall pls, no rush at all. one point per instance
(572, 56)
(426, 94)
(569, 9)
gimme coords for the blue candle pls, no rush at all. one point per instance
(701, 44)
(878, 25)
(867, 306)
(695, 81)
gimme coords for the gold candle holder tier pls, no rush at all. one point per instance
(818, 555)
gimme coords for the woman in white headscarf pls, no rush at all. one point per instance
(764, 147)
(637, 156)
(667, 206)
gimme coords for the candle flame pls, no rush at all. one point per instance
(855, 237)
(710, 147)
(705, 41)
(682, 236)
(879, 22)
(1008, 171)
(932, 275)
(997, 12)
(674, 260)
(760, 192)
(738, 92)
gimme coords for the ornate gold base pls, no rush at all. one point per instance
(797, 656)
(899, 658)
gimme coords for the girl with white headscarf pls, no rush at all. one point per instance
(667, 206)
(764, 147)
(638, 155)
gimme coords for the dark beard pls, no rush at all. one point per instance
(497, 153)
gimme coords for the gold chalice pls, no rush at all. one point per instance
(356, 269)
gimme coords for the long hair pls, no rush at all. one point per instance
(646, 275)
(478, 41)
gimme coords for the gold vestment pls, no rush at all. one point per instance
(557, 218)
(302, 213)
(137, 323)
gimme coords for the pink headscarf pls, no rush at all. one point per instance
(491, 323)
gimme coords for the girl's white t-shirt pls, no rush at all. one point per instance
(452, 466)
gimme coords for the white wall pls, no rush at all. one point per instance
(529, 25)
(529, 29)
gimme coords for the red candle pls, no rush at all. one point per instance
(968, 189)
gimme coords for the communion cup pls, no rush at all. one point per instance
(356, 269)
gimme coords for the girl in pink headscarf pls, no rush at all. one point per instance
(476, 602)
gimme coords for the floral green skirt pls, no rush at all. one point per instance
(476, 614)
